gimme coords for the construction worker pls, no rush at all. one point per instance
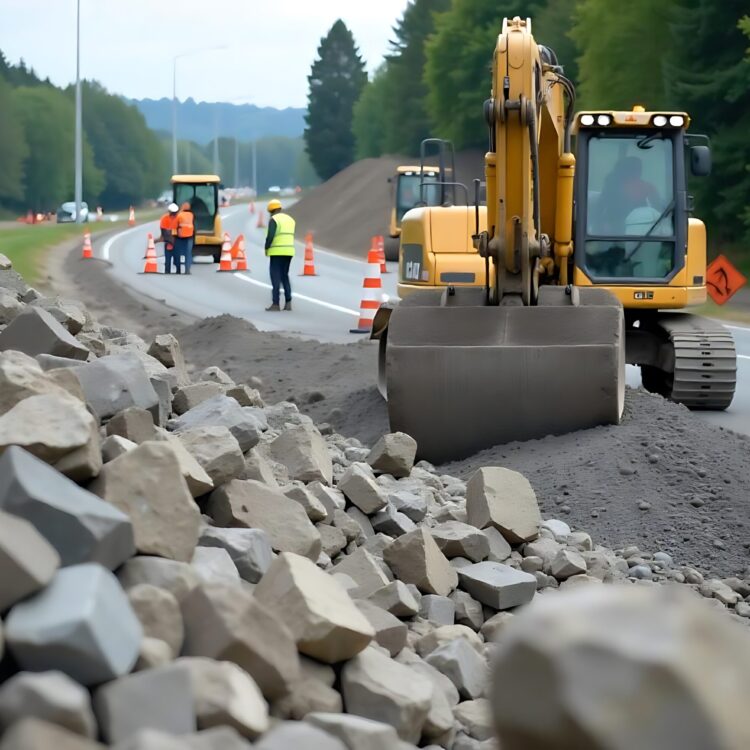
(280, 250)
(168, 226)
(185, 236)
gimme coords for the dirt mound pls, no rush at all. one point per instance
(351, 207)
(663, 479)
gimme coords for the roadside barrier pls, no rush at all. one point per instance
(372, 288)
(309, 267)
(225, 262)
(88, 251)
(150, 266)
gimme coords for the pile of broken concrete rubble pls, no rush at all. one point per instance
(185, 567)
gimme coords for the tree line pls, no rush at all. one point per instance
(684, 55)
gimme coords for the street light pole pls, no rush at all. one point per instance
(236, 161)
(216, 140)
(174, 116)
(79, 120)
(255, 167)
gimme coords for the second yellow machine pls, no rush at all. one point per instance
(517, 318)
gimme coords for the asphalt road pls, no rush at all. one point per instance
(325, 306)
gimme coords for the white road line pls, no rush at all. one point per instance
(743, 356)
(108, 244)
(736, 328)
(295, 295)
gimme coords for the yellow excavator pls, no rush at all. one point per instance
(516, 318)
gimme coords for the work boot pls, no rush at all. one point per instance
(288, 305)
(273, 308)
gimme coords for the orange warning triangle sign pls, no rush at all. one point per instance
(723, 280)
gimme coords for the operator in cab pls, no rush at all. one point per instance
(185, 237)
(168, 227)
(280, 251)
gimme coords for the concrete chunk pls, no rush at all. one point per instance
(364, 570)
(298, 734)
(217, 451)
(22, 377)
(214, 565)
(159, 613)
(147, 484)
(250, 549)
(323, 619)
(133, 423)
(457, 539)
(158, 698)
(178, 578)
(392, 522)
(35, 331)
(466, 669)
(439, 610)
(35, 734)
(361, 489)
(81, 624)
(27, 560)
(504, 499)
(567, 563)
(189, 396)
(393, 454)
(303, 450)
(416, 558)
(314, 508)
(497, 585)
(356, 732)
(252, 504)
(166, 349)
(390, 632)
(79, 525)
(395, 598)
(50, 696)
(227, 623)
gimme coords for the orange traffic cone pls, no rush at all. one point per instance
(235, 249)
(131, 216)
(371, 291)
(225, 263)
(381, 252)
(87, 250)
(241, 263)
(150, 265)
(251, 207)
(261, 222)
(309, 267)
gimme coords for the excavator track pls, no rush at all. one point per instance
(704, 373)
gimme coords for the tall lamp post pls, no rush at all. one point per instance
(79, 121)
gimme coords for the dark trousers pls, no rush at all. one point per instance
(170, 258)
(280, 275)
(184, 249)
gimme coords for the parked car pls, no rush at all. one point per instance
(66, 214)
(274, 189)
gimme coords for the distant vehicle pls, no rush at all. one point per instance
(66, 214)
(274, 189)
(287, 191)
(165, 198)
(201, 191)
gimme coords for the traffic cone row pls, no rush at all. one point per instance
(240, 263)
(131, 217)
(150, 266)
(381, 252)
(87, 249)
(372, 288)
(225, 262)
(309, 267)
(261, 221)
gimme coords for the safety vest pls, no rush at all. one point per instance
(185, 224)
(169, 222)
(283, 239)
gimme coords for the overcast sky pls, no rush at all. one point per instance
(129, 45)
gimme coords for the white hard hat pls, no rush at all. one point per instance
(173, 208)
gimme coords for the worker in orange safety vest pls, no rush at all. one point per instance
(185, 237)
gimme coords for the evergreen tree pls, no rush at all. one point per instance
(372, 116)
(336, 82)
(13, 149)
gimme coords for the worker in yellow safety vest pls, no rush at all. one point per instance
(280, 250)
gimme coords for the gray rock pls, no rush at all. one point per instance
(298, 734)
(416, 558)
(324, 621)
(332, 538)
(352, 530)
(411, 504)
(189, 396)
(22, 377)
(27, 560)
(364, 570)
(147, 484)
(216, 738)
(247, 503)
(222, 411)
(567, 563)
(166, 349)
(250, 549)
(244, 395)
(214, 565)
(303, 450)
(475, 718)
(381, 689)
(468, 610)
(435, 638)
(178, 578)
(362, 520)
(439, 610)
(333, 499)
(361, 489)
(114, 383)
(395, 598)
(217, 451)
(314, 508)
(50, 696)
(48, 426)
(497, 585)
(198, 482)
(35, 734)
(153, 653)
(217, 375)
(391, 522)
(79, 525)
(35, 331)
(81, 624)
(504, 499)
(597, 702)
(466, 669)
(307, 696)
(224, 694)
(152, 739)
(159, 613)
(228, 623)
(163, 409)
(390, 632)
(71, 314)
(10, 307)
(457, 539)
(355, 732)
(259, 468)
(133, 423)
(155, 699)
(114, 446)
(393, 454)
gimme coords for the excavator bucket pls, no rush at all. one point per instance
(461, 377)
